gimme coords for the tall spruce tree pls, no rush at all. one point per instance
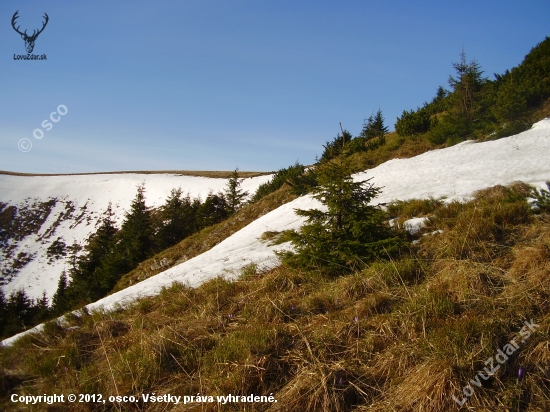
(136, 233)
(60, 300)
(134, 243)
(234, 194)
(20, 311)
(41, 309)
(466, 105)
(349, 233)
(3, 313)
(87, 273)
(466, 99)
(22, 305)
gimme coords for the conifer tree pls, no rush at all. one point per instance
(374, 127)
(413, 122)
(234, 194)
(60, 301)
(467, 87)
(336, 147)
(437, 104)
(18, 312)
(510, 104)
(72, 251)
(214, 209)
(134, 243)
(86, 274)
(20, 304)
(281, 177)
(136, 233)
(350, 232)
(177, 219)
(541, 197)
(3, 313)
(41, 310)
(466, 106)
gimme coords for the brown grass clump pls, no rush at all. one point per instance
(532, 263)
(467, 280)
(424, 389)
(400, 335)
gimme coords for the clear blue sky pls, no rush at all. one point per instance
(211, 85)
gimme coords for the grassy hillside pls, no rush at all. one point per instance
(405, 335)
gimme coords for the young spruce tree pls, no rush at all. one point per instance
(374, 127)
(134, 243)
(60, 301)
(348, 233)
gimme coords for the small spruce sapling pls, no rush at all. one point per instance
(348, 233)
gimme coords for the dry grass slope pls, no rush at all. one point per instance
(404, 335)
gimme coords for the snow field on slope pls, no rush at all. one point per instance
(455, 172)
(94, 192)
(460, 170)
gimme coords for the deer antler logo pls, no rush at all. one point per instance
(29, 40)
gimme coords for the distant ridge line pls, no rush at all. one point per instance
(198, 173)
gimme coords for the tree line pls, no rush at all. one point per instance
(479, 107)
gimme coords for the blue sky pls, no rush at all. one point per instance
(214, 85)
